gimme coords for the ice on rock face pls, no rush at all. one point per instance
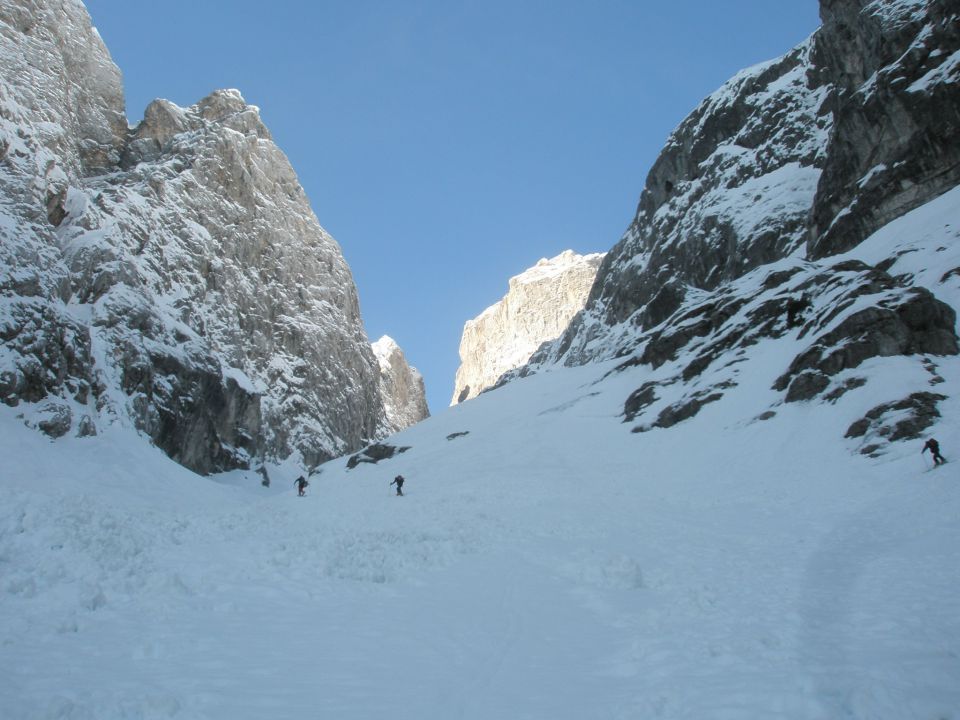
(146, 270)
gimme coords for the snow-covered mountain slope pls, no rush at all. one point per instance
(545, 561)
(805, 155)
(401, 386)
(538, 306)
(731, 246)
(171, 276)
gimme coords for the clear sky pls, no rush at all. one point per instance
(450, 144)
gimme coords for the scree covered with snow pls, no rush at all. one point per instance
(544, 561)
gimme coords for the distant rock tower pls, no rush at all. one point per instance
(538, 307)
(401, 387)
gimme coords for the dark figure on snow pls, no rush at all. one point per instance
(398, 481)
(795, 310)
(301, 483)
(934, 447)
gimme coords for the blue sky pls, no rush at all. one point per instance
(450, 144)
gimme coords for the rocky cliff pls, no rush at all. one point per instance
(538, 306)
(753, 219)
(401, 386)
(170, 275)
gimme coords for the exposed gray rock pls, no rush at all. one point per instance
(904, 419)
(731, 191)
(894, 69)
(51, 353)
(680, 411)
(375, 453)
(54, 419)
(66, 82)
(401, 386)
(842, 389)
(86, 427)
(806, 385)
(911, 324)
(640, 399)
(786, 165)
(853, 312)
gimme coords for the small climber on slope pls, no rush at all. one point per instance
(301, 483)
(934, 447)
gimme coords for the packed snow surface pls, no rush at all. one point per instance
(548, 564)
(544, 561)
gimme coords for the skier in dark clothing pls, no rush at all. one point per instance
(795, 310)
(301, 483)
(934, 447)
(398, 481)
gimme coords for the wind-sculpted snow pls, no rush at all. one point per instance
(173, 275)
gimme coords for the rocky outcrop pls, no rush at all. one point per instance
(66, 84)
(401, 386)
(840, 315)
(731, 191)
(172, 276)
(538, 306)
(905, 419)
(374, 454)
(907, 323)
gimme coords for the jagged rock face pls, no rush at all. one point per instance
(173, 275)
(808, 153)
(730, 191)
(851, 313)
(896, 114)
(401, 386)
(537, 307)
(64, 76)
